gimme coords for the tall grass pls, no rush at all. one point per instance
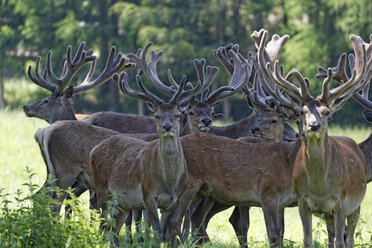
(18, 150)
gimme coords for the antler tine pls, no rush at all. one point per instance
(341, 77)
(359, 73)
(222, 54)
(150, 68)
(257, 97)
(191, 91)
(266, 60)
(339, 72)
(304, 85)
(207, 77)
(214, 96)
(273, 47)
(113, 65)
(38, 79)
(239, 77)
(300, 94)
(177, 95)
(122, 81)
(70, 68)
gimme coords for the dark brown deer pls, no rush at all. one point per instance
(329, 176)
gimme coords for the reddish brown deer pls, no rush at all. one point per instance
(330, 172)
(340, 76)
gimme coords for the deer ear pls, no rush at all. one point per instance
(150, 106)
(67, 93)
(368, 115)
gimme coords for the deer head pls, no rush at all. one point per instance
(167, 114)
(58, 106)
(200, 110)
(316, 111)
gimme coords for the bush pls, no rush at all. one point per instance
(24, 224)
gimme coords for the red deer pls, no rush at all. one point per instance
(329, 176)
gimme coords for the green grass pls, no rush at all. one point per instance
(18, 150)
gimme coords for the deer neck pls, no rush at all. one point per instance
(171, 159)
(65, 113)
(317, 159)
(241, 128)
(64, 116)
(188, 128)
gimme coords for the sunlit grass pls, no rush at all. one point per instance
(18, 150)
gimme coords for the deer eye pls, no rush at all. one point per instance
(326, 112)
(191, 113)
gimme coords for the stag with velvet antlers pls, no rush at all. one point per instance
(341, 76)
(148, 175)
(330, 172)
(58, 106)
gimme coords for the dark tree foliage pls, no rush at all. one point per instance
(185, 30)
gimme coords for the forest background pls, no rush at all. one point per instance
(185, 30)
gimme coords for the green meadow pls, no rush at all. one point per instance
(18, 150)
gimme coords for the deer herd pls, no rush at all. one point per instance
(180, 163)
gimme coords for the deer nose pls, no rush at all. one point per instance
(206, 121)
(254, 129)
(167, 126)
(314, 126)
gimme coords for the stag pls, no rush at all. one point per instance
(58, 106)
(243, 127)
(155, 172)
(329, 175)
(341, 76)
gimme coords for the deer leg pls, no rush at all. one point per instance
(217, 207)
(128, 226)
(340, 218)
(331, 234)
(78, 190)
(120, 218)
(352, 221)
(152, 213)
(306, 220)
(174, 224)
(198, 218)
(137, 216)
(239, 219)
(272, 220)
(281, 225)
(187, 219)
